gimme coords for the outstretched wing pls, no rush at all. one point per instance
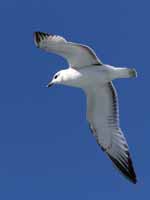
(102, 114)
(77, 55)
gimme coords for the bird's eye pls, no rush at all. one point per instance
(55, 76)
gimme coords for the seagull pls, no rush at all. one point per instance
(86, 71)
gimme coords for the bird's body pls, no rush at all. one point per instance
(87, 72)
(92, 75)
(83, 77)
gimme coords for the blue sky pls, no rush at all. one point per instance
(46, 148)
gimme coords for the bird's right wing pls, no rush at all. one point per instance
(76, 54)
(102, 114)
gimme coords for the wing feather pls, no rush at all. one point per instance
(77, 55)
(103, 116)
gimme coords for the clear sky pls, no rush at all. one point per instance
(46, 148)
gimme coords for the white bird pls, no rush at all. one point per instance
(87, 72)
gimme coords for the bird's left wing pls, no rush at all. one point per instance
(102, 114)
(77, 55)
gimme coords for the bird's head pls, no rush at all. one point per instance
(59, 78)
(69, 77)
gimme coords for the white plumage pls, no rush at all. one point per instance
(89, 73)
(76, 54)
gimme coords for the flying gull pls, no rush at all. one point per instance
(87, 72)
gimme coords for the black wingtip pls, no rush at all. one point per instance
(36, 38)
(39, 36)
(131, 170)
(125, 168)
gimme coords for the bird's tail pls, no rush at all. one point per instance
(125, 73)
(132, 73)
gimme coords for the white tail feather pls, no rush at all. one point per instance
(125, 73)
